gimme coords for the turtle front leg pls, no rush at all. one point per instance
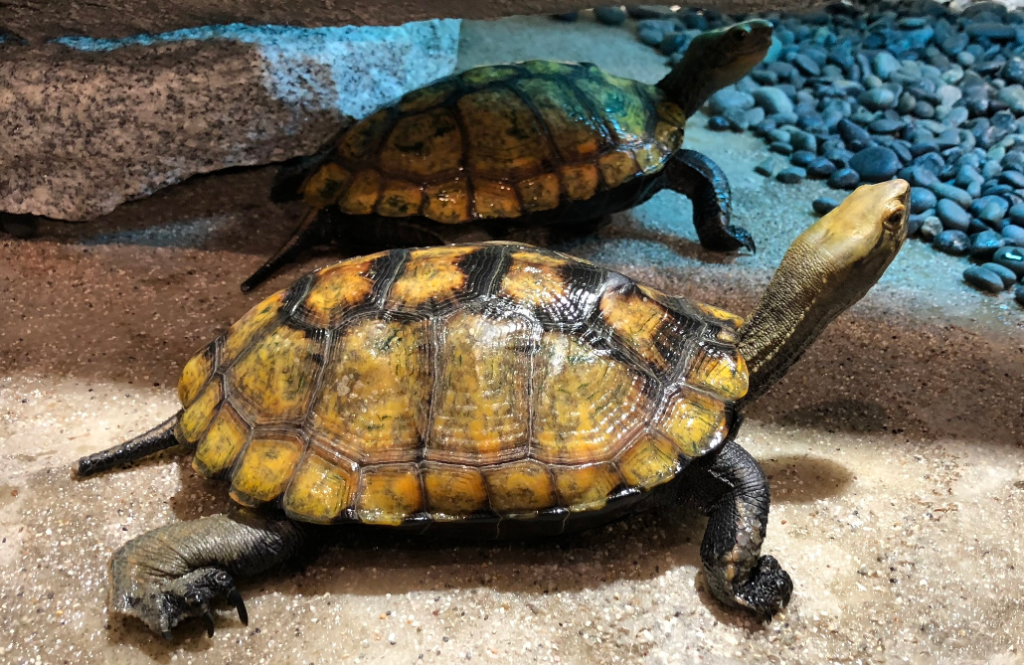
(695, 176)
(172, 573)
(738, 517)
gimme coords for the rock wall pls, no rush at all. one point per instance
(88, 124)
(40, 20)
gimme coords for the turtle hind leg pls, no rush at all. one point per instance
(697, 177)
(308, 233)
(159, 438)
(177, 571)
(738, 517)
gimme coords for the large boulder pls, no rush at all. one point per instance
(89, 124)
(38, 20)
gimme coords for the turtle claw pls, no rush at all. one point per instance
(767, 590)
(210, 625)
(163, 602)
(235, 600)
(742, 238)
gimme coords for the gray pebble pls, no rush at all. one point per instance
(984, 279)
(773, 100)
(914, 223)
(718, 123)
(952, 215)
(806, 65)
(1012, 178)
(930, 228)
(906, 103)
(820, 167)
(730, 98)
(1017, 214)
(952, 242)
(769, 167)
(991, 169)
(825, 204)
(1012, 257)
(965, 58)
(1014, 235)
(996, 32)
(737, 119)
(924, 110)
(957, 116)
(804, 141)
(610, 15)
(1018, 295)
(886, 126)
(921, 199)
(885, 65)
(802, 158)
(1005, 274)
(845, 178)
(791, 175)
(875, 164)
(877, 99)
(650, 35)
(985, 244)
(959, 196)
(992, 213)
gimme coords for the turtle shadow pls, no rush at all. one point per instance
(804, 478)
(226, 210)
(682, 247)
(367, 561)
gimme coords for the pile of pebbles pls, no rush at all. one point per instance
(855, 94)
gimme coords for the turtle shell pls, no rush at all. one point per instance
(441, 384)
(499, 141)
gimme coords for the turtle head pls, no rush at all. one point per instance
(715, 59)
(827, 269)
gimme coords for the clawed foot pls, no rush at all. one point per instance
(767, 590)
(164, 602)
(740, 238)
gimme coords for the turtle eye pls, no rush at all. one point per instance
(739, 35)
(895, 217)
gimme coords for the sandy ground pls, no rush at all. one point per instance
(894, 450)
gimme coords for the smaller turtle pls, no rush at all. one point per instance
(532, 143)
(494, 389)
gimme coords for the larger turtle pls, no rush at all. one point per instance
(536, 142)
(495, 386)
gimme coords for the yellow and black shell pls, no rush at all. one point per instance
(502, 141)
(492, 380)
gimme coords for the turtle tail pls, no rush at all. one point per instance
(303, 236)
(159, 438)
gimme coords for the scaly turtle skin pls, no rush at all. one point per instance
(533, 143)
(494, 387)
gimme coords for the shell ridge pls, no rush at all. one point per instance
(385, 281)
(435, 334)
(601, 120)
(453, 107)
(316, 391)
(556, 156)
(644, 92)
